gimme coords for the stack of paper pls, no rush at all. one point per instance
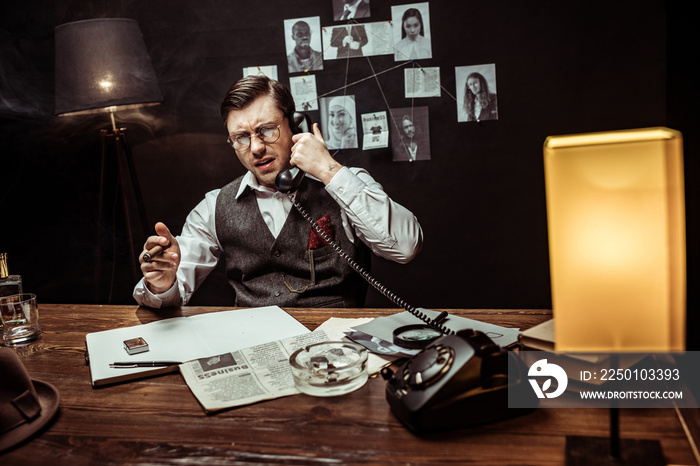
(182, 339)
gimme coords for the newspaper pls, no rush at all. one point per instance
(422, 82)
(375, 130)
(260, 372)
(246, 376)
(304, 92)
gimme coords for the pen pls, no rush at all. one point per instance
(128, 365)
(154, 252)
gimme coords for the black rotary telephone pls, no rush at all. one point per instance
(457, 381)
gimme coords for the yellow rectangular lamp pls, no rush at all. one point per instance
(616, 224)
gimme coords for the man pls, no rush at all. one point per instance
(412, 145)
(344, 10)
(303, 57)
(271, 256)
(349, 40)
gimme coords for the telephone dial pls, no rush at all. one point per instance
(458, 379)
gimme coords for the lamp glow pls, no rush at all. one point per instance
(106, 85)
(616, 222)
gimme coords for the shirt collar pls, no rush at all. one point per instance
(250, 182)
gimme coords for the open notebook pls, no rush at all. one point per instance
(185, 338)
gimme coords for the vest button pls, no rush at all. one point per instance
(277, 294)
(276, 253)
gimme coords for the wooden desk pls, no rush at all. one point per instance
(159, 421)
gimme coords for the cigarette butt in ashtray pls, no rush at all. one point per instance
(155, 251)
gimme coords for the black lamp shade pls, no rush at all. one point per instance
(103, 63)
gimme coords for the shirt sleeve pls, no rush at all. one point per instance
(390, 230)
(199, 250)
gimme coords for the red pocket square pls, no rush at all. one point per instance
(315, 240)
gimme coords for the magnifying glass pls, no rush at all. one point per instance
(415, 336)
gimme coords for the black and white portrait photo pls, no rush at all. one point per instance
(303, 41)
(476, 92)
(412, 36)
(346, 41)
(410, 135)
(339, 122)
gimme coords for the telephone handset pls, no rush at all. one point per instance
(288, 181)
(457, 381)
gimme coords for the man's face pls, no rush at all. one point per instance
(301, 33)
(265, 161)
(408, 128)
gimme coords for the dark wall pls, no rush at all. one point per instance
(560, 68)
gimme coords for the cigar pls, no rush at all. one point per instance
(154, 252)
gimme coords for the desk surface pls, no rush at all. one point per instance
(159, 421)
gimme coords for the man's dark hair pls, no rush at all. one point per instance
(247, 89)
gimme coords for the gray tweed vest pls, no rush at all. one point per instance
(257, 264)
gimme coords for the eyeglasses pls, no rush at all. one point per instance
(267, 134)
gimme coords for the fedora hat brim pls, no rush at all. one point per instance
(49, 400)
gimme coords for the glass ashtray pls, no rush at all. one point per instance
(330, 368)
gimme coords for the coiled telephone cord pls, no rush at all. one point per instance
(393, 297)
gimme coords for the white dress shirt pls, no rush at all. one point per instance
(407, 49)
(351, 9)
(387, 228)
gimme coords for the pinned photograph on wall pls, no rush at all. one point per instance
(344, 41)
(412, 36)
(375, 130)
(345, 10)
(303, 44)
(357, 40)
(339, 122)
(268, 70)
(476, 92)
(422, 82)
(410, 134)
(304, 92)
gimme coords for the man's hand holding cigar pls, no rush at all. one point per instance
(160, 259)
